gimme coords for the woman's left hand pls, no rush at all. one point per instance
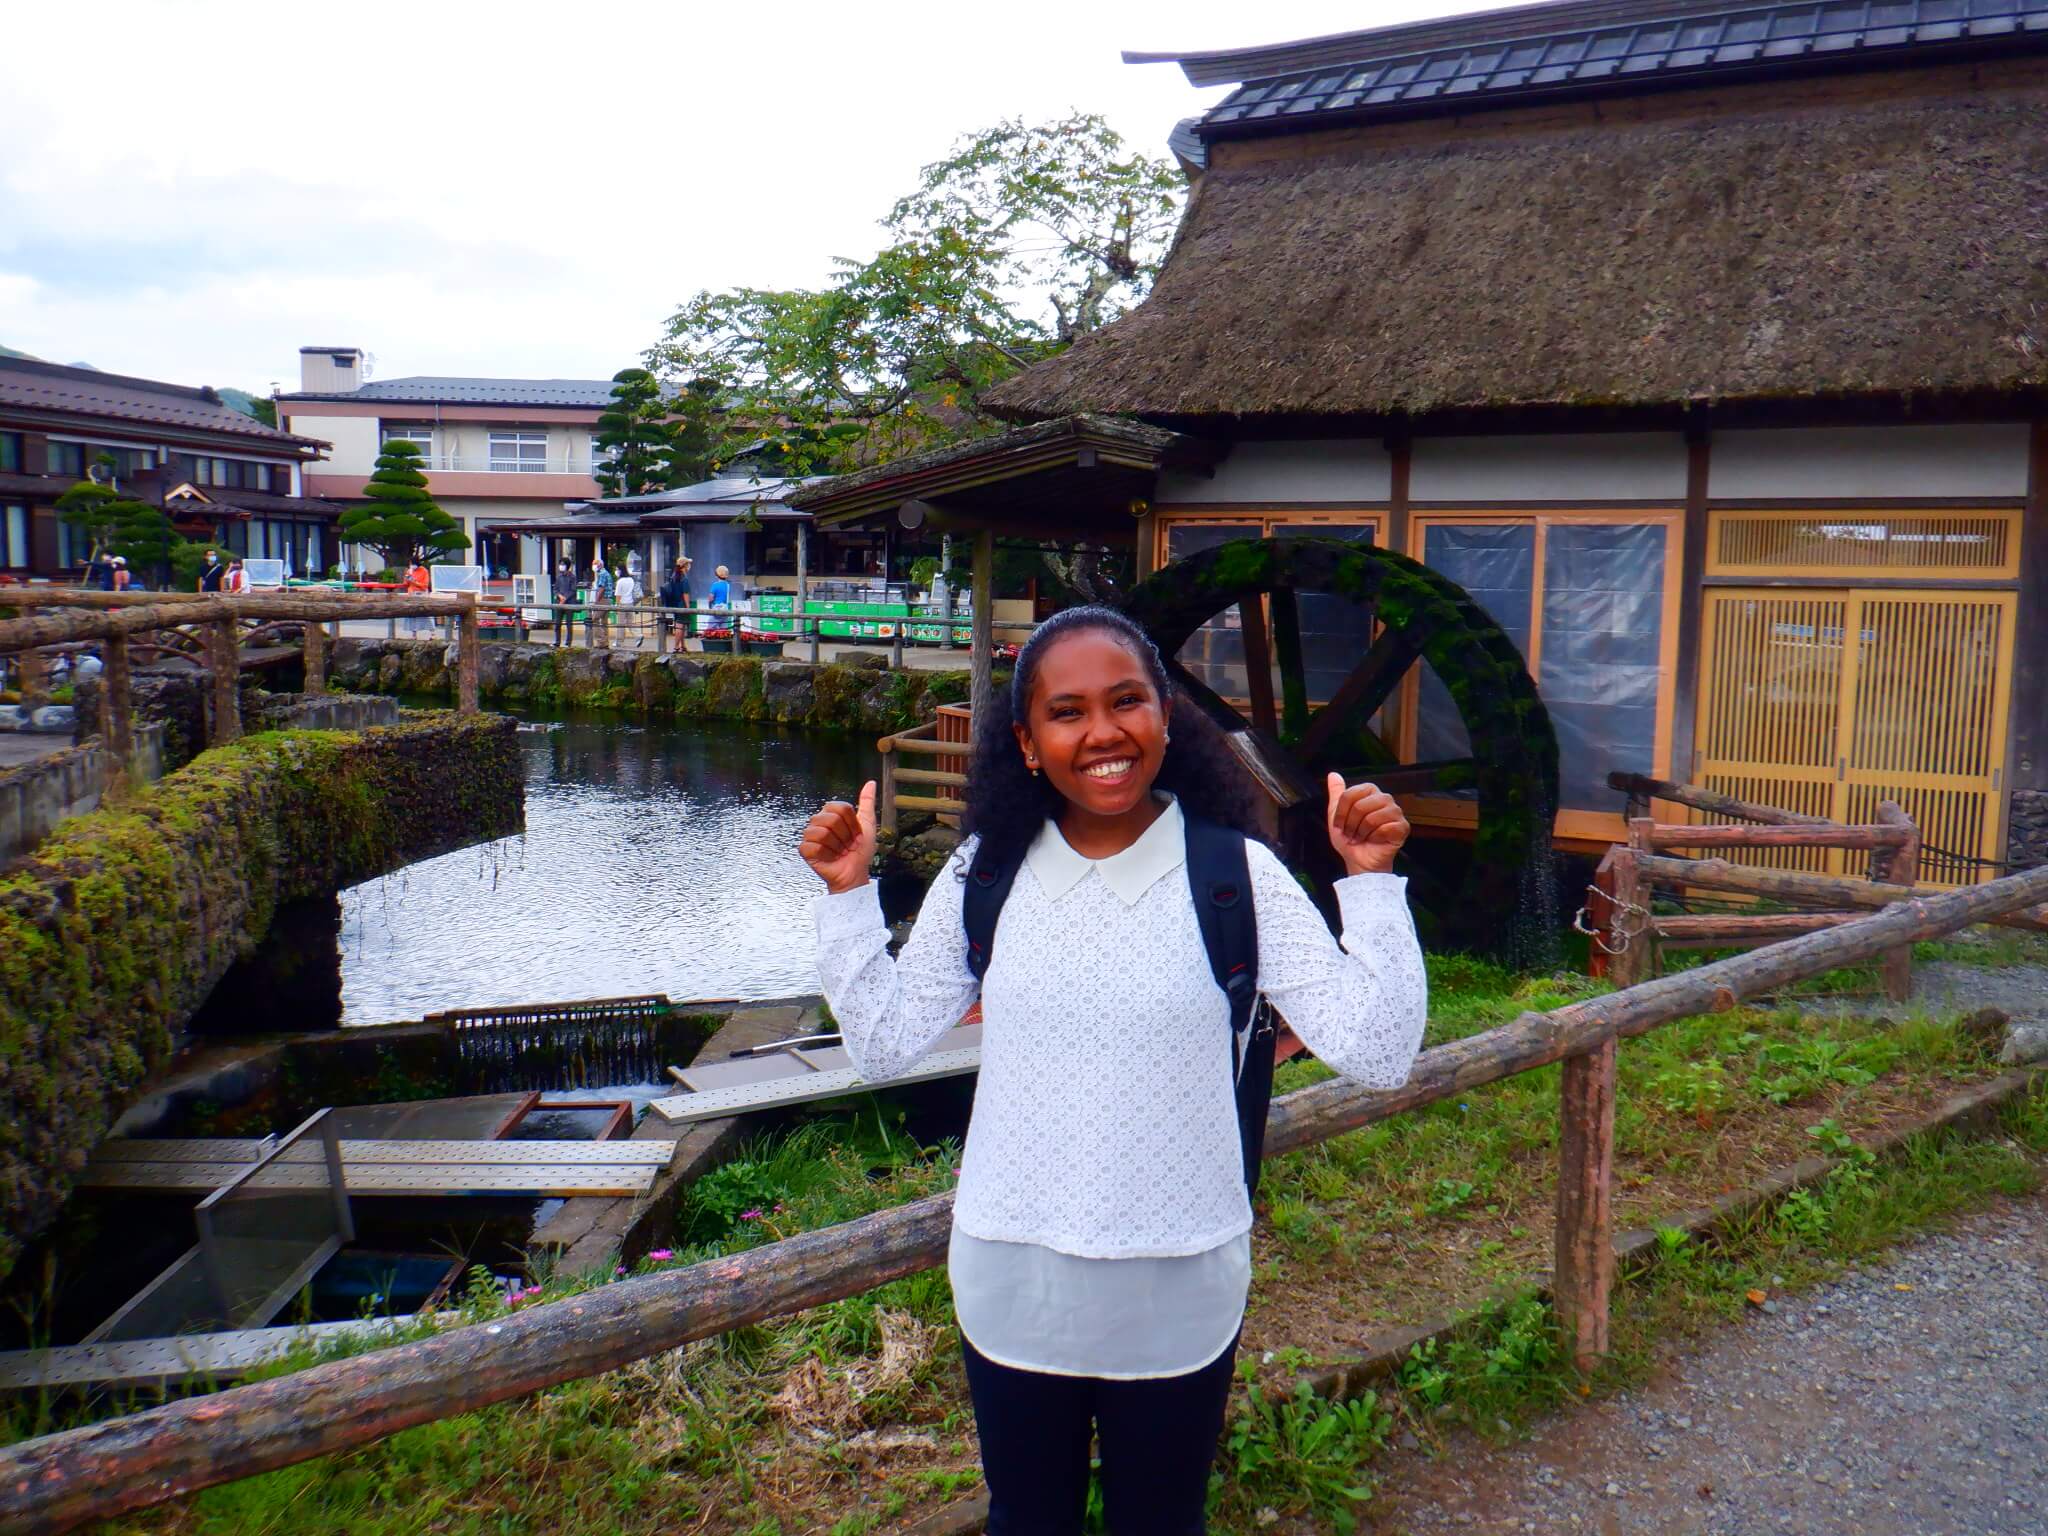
(1366, 827)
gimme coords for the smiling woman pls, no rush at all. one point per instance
(1100, 1257)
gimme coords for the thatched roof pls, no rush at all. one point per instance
(1878, 250)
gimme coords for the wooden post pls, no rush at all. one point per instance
(1636, 961)
(467, 660)
(886, 810)
(316, 657)
(224, 655)
(115, 684)
(1901, 866)
(1585, 1203)
(981, 633)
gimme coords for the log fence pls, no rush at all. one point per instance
(920, 741)
(57, 1482)
(209, 627)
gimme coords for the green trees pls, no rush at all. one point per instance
(1019, 241)
(117, 524)
(401, 521)
(635, 435)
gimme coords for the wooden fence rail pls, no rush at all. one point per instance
(59, 1481)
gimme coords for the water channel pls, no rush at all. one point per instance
(656, 858)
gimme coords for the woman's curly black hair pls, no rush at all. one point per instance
(1007, 803)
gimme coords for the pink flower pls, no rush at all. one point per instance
(661, 1255)
(619, 1271)
(753, 1215)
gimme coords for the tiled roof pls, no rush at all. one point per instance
(429, 389)
(30, 385)
(232, 499)
(1518, 57)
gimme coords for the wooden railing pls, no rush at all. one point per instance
(59, 1481)
(920, 742)
(1630, 938)
(111, 621)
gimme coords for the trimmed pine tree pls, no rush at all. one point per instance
(400, 519)
(635, 431)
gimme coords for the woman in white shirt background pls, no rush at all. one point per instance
(1101, 1251)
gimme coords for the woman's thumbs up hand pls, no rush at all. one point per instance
(839, 842)
(1366, 827)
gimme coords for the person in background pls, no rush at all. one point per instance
(721, 589)
(596, 623)
(237, 579)
(99, 571)
(213, 573)
(675, 593)
(627, 596)
(118, 579)
(565, 594)
(418, 581)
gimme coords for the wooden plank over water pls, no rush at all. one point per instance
(804, 1087)
(421, 1168)
(160, 1362)
(204, 1149)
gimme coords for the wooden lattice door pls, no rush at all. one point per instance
(1830, 701)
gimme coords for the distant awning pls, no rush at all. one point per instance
(1081, 476)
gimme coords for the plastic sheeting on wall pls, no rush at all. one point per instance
(1603, 612)
(1496, 564)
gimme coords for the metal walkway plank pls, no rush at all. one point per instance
(712, 1103)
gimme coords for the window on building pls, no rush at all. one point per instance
(419, 433)
(14, 527)
(260, 477)
(600, 455)
(519, 452)
(10, 452)
(73, 547)
(65, 459)
(772, 551)
(1585, 601)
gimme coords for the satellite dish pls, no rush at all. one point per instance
(913, 513)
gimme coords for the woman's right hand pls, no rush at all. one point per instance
(839, 842)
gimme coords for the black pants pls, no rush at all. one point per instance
(1158, 1438)
(565, 627)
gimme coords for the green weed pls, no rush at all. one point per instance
(1304, 1454)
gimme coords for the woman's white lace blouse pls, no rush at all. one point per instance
(1104, 1123)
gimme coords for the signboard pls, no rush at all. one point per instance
(264, 573)
(457, 578)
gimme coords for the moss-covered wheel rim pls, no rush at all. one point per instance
(1512, 770)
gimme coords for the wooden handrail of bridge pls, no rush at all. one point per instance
(57, 1482)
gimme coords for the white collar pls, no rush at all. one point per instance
(1160, 849)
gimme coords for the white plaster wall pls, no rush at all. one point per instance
(1593, 466)
(1341, 470)
(354, 439)
(1878, 462)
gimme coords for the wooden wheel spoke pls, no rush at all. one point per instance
(1258, 664)
(1203, 697)
(1287, 651)
(1369, 686)
(1414, 778)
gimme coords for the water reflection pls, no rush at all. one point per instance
(655, 859)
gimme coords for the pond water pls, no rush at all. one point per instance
(655, 859)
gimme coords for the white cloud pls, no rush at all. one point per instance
(508, 188)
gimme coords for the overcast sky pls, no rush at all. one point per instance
(193, 191)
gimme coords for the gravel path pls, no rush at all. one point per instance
(1908, 1399)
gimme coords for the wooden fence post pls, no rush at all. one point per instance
(467, 660)
(885, 812)
(118, 714)
(1584, 1273)
(226, 658)
(316, 657)
(1636, 960)
(1901, 866)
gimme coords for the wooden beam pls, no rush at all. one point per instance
(981, 633)
(1802, 889)
(56, 1482)
(1707, 800)
(116, 684)
(1635, 956)
(469, 662)
(1822, 835)
(316, 657)
(1706, 929)
(1692, 570)
(226, 664)
(1287, 651)
(1584, 1248)
(1898, 866)
(1258, 665)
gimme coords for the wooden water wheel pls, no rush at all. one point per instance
(1292, 741)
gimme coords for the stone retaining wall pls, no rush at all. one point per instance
(2026, 841)
(862, 694)
(35, 797)
(117, 927)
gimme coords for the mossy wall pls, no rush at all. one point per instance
(115, 929)
(864, 695)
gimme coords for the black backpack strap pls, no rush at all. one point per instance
(1219, 877)
(981, 904)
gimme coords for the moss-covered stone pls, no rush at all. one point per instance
(115, 929)
(861, 694)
